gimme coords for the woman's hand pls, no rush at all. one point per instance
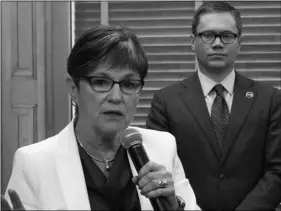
(15, 199)
(155, 181)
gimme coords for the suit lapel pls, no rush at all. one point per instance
(193, 97)
(70, 171)
(244, 97)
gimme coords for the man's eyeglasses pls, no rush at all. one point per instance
(102, 84)
(210, 37)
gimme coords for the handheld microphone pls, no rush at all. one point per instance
(132, 142)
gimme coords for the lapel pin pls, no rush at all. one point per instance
(249, 94)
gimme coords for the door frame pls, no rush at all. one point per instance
(56, 44)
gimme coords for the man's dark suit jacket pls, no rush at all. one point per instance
(248, 176)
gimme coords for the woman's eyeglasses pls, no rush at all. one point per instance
(210, 36)
(102, 84)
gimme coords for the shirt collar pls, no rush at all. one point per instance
(207, 83)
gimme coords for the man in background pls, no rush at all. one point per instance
(227, 127)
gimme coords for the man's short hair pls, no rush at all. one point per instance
(216, 7)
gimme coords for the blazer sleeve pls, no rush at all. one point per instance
(157, 116)
(182, 185)
(22, 181)
(266, 194)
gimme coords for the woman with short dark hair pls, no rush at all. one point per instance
(84, 166)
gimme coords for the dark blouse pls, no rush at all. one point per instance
(117, 192)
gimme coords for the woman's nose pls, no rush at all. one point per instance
(115, 93)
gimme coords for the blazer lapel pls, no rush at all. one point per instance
(193, 97)
(244, 97)
(144, 202)
(70, 171)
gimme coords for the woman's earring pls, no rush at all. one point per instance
(192, 47)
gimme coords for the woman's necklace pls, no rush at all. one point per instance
(105, 161)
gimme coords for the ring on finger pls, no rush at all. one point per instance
(162, 183)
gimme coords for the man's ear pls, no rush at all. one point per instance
(192, 41)
(71, 87)
(240, 39)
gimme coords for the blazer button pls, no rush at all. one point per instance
(222, 176)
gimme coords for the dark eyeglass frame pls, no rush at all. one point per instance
(220, 35)
(89, 78)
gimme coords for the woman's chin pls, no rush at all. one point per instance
(114, 127)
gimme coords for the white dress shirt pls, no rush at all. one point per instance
(207, 85)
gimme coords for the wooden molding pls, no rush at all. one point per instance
(58, 44)
(34, 101)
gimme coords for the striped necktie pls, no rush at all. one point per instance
(220, 116)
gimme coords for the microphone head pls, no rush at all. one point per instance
(131, 137)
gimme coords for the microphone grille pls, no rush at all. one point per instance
(131, 137)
